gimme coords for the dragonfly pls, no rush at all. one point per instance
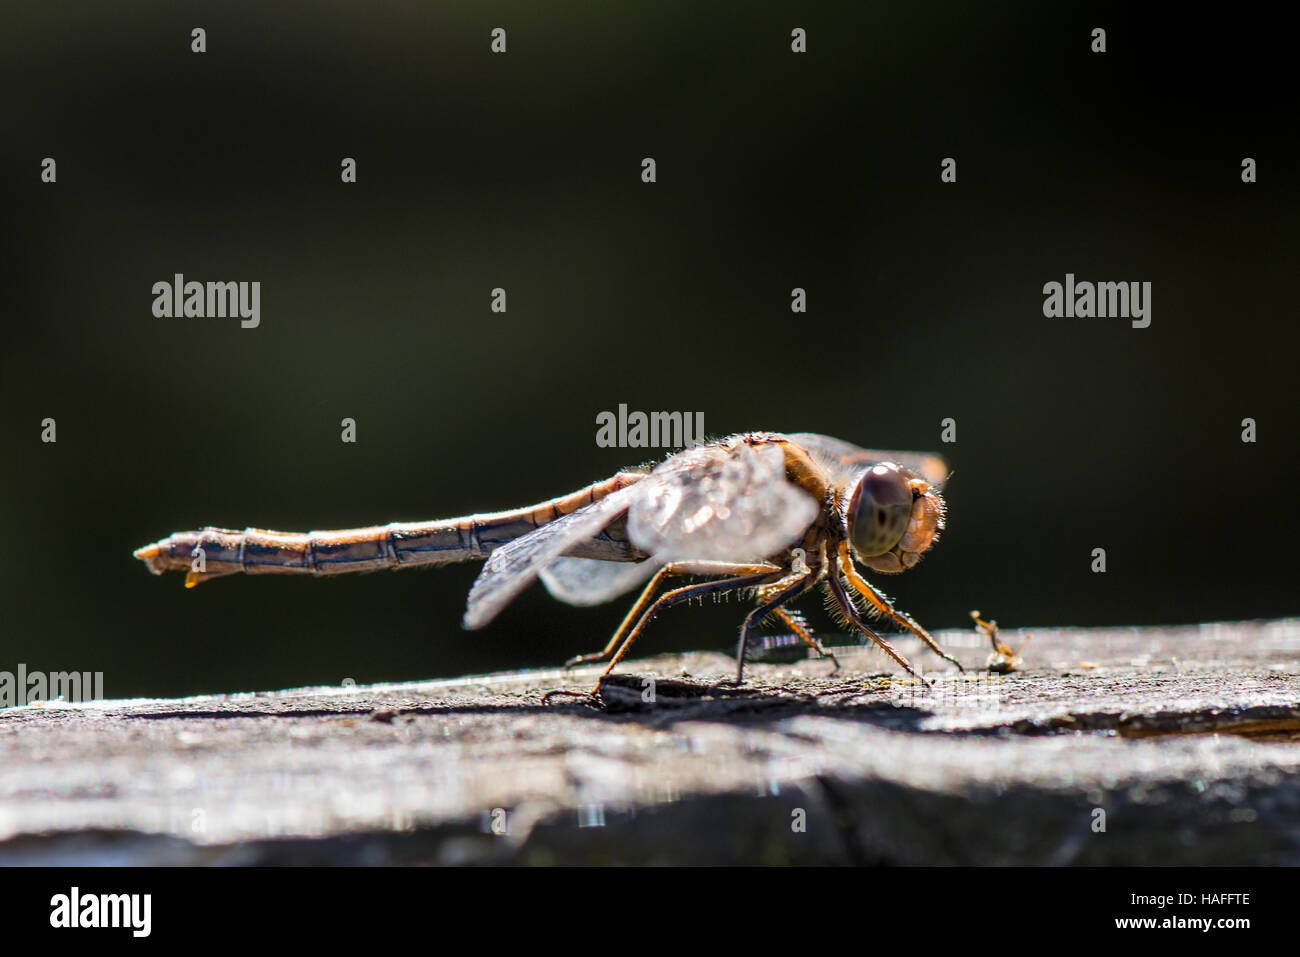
(767, 515)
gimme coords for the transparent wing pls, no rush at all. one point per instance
(514, 566)
(720, 503)
(711, 503)
(842, 457)
(588, 581)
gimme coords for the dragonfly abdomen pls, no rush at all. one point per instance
(214, 552)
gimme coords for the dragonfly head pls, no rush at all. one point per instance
(894, 516)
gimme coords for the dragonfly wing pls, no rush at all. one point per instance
(588, 581)
(842, 457)
(715, 503)
(514, 566)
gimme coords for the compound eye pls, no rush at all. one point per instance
(879, 511)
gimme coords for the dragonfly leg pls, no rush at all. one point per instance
(806, 633)
(851, 610)
(794, 590)
(685, 593)
(886, 608)
(669, 570)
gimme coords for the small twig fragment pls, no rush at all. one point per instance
(1003, 661)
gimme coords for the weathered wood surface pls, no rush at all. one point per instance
(1187, 738)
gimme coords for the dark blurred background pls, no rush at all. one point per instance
(775, 170)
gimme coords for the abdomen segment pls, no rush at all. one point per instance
(213, 552)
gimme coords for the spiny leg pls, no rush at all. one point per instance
(804, 632)
(789, 593)
(672, 568)
(851, 610)
(883, 605)
(632, 615)
(677, 595)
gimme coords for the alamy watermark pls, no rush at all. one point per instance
(211, 300)
(1099, 300)
(24, 687)
(132, 912)
(648, 430)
